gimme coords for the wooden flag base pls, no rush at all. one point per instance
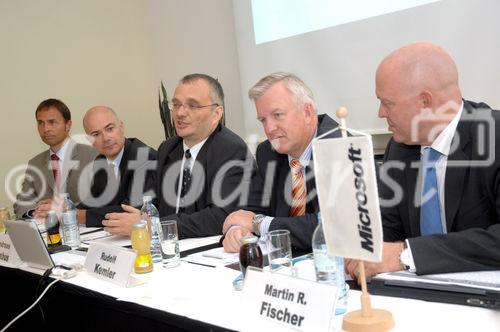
(367, 319)
(379, 320)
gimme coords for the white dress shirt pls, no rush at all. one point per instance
(194, 150)
(442, 144)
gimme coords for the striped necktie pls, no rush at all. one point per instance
(299, 194)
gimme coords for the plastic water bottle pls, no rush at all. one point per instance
(150, 212)
(70, 230)
(329, 269)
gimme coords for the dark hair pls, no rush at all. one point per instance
(216, 92)
(58, 105)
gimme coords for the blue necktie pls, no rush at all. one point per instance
(430, 211)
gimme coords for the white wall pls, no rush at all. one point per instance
(339, 63)
(111, 52)
(196, 36)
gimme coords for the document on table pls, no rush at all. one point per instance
(94, 235)
(213, 257)
(69, 258)
(188, 244)
(479, 279)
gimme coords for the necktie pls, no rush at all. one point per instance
(430, 211)
(186, 177)
(55, 169)
(113, 181)
(299, 195)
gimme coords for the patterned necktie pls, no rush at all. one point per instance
(186, 178)
(55, 169)
(299, 194)
(430, 211)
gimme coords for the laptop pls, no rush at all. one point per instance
(484, 297)
(29, 244)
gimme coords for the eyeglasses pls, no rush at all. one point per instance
(175, 106)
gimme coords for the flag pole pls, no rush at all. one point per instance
(366, 319)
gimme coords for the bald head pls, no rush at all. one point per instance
(419, 67)
(417, 86)
(105, 131)
(97, 111)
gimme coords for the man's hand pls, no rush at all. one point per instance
(232, 238)
(241, 218)
(42, 207)
(120, 223)
(390, 261)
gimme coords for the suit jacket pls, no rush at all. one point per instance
(136, 178)
(269, 198)
(220, 178)
(39, 183)
(471, 196)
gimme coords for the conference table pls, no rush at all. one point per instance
(189, 297)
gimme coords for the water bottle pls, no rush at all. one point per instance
(329, 269)
(150, 213)
(70, 230)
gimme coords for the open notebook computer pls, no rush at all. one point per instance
(29, 244)
(479, 294)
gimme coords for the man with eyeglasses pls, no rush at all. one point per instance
(204, 172)
(122, 173)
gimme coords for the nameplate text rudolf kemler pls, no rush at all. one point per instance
(109, 262)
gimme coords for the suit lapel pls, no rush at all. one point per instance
(174, 153)
(282, 207)
(413, 180)
(46, 169)
(123, 167)
(69, 163)
(455, 176)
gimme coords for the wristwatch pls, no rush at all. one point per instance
(404, 257)
(256, 221)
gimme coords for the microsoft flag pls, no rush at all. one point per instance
(348, 198)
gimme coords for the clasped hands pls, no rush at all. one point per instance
(238, 224)
(121, 223)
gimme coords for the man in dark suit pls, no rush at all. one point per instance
(123, 172)
(440, 183)
(59, 169)
(203, 172)
(280, 197)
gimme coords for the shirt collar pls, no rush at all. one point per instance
(442, 143)
(195, 149)
(61, 154)
(116, 162)
(305, 158)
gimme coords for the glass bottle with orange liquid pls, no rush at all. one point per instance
(141, 244)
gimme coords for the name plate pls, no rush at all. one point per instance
(110, 263)
(8, 254)
(278, 302)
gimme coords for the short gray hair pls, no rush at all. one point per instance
(294, 84)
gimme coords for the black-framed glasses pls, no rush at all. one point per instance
(190, 106)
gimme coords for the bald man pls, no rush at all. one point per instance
(440, 182)
(123, 172)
